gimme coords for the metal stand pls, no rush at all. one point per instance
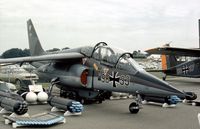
(66, 113)
(165, 105)
(4, 111)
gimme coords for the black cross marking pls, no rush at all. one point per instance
(185, 69)
(114, 78)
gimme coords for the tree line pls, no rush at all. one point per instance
(17, 52)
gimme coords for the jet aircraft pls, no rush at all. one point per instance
(86, 72)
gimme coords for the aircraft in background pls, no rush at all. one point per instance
(170, 64)
(87, 72)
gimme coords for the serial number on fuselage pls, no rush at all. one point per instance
(114, 77)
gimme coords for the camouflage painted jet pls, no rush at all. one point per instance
(86, 72)
(171, 66)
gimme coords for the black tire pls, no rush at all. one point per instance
(134, 108)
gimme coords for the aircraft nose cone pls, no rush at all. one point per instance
(154, 82)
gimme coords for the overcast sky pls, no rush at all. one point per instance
(128, 24)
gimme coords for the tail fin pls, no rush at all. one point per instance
(168, 61)
(34, 43)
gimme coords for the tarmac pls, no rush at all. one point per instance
(114, 114)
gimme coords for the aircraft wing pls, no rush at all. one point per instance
(50, 57)
(175, 51)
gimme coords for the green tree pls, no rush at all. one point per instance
(53, 50)
(15, 52)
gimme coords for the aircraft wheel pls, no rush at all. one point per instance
(134, 108)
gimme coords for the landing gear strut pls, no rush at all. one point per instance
(54, 81)
(134, 107)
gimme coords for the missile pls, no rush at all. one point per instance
(65, 104)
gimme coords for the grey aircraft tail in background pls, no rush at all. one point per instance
(88, 72)
(34, 42)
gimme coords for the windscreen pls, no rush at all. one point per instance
(117, 57)
(127, 63)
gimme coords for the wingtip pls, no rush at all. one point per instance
(149, 50)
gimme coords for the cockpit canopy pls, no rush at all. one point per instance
(114, 57)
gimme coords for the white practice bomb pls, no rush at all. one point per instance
(31, 97)
(42, 96)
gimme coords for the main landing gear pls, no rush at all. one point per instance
(134, 107)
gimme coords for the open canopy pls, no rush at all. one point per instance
(115, 57)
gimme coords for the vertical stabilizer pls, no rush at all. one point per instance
(34, 43)
(168, 61)
(164, 62)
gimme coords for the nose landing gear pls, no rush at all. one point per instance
(134, 107)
